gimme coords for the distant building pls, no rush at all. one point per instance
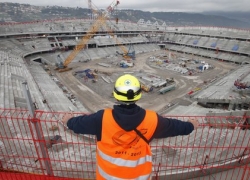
(141, 22)
(148, 23)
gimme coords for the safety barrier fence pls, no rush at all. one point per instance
(42, 148)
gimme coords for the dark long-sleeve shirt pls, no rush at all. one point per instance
(128, 117)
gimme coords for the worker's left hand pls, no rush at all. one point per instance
(66, 117)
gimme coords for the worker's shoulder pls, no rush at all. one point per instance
(94, 116)
(150, 111)
(106, 109)
(100, 112)
(152, 114)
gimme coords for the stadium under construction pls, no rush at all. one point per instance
(185, 72)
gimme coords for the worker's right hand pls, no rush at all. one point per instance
(195, 123)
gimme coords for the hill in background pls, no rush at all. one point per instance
(15, 12)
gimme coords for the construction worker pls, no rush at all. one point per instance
(124, 133)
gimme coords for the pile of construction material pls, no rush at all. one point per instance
(152, 82)
(126, 64)
(86, 74)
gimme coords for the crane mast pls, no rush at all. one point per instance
(90, 8)
(91, 32)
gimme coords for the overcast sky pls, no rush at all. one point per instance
(151, 5)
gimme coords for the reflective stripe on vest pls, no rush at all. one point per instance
(108, 177)
(125, 155)
(122, 162)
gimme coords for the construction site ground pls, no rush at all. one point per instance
(98, 95)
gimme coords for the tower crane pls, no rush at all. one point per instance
(92, 30)
(90, 8)
(127, 53)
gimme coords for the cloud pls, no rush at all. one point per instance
(153, 5)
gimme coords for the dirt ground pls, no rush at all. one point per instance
(98, 95)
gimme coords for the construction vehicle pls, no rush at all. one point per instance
(129, 53)
(126, 64)
(88, 73)
(167, 88)
(170, 80)
(60, 65)
(239, 84)
(146, 87)
(91, 32)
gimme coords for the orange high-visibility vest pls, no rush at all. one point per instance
(124, 154)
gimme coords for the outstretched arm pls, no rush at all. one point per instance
(84, 124)
(168, 127)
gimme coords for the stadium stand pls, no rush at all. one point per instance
(218, 145)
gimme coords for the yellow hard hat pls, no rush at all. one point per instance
(127, 88)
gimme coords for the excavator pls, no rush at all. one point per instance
(101, 20)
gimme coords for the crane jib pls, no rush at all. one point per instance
(92, 30)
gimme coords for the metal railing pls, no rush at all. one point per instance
(40, 146)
